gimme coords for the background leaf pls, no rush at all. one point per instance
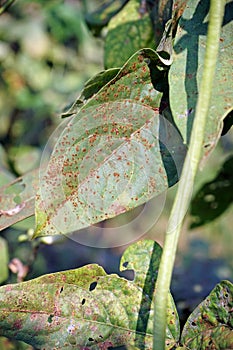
(86, 307)
(99, 18)
(186, 72)
(114, 155)
(128, 32)
(4, 259)
(91, 87)
(214, 197)
(211, 323)
(18, 194)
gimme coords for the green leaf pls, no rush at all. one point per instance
(101, 16)
(17, 199)
(214, 197)
(128, 32)
(116, 153)
(24, 158)
(4, 259)
(91, 87)
(186, 72)
(210, 326)
(6, 175)
(88, 308)
(9, 344)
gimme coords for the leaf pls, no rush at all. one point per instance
(186, 72)
(7, 344)
(17, 199)
(214, 197)
(5, 174)
(101, 16)
(86, 308)
(128, 32)
(91, 87)
(162, 15)
(24, 158)
(210, 326)
(116, 153)
(4, 259)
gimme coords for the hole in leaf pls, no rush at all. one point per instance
(83, 301)
(61, 290)
(126, 263)
(92, 286)
(90, 339)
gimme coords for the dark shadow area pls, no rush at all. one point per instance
(214, 198)
(146, 301)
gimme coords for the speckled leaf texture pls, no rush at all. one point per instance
(128, 32)
(88, 309)
(186, 72)
(210, 326)
(116, 153)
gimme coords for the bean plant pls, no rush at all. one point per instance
(148, 121)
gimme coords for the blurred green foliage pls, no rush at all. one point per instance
(44, 51)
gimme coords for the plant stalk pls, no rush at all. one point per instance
(5, 6)
(189, 171)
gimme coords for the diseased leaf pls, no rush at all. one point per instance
(87, 308)
(91, 87)
(214, 197)
(116, 153)
(186, 72)
(128, 32)
(17, 199)
(210, 326)
(101, 16)
(4, 259)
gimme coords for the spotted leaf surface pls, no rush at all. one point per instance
(186, 72)
(86, 308)
(210, 326)
(116, 153)
(128, 31)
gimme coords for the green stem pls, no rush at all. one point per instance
(189, 171)
(7, 4)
